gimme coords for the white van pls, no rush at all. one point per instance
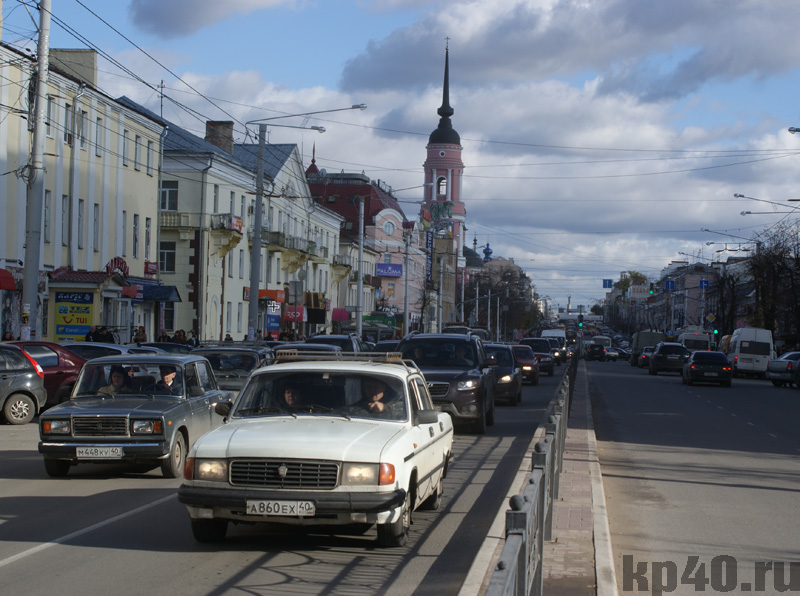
(602, 340)
(750, 350)
(695, 341)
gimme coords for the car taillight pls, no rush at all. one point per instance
(35, 364)
(789, 366)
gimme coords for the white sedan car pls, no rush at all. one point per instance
(344, 441)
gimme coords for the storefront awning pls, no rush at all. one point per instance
(158, 293)
(7, 280)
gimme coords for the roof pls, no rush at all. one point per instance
(66, 274)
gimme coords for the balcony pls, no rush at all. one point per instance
(226, 221)
(342, 261)
(226, 232)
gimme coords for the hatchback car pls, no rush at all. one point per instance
(707, 367)
(315, 442)
(232, 366)
(22, 391)
(541, 348)
(528, 362)
(667, 357)
(644, 357)
(507, 374)
(595, 352)
(133, 409)
(60, 366)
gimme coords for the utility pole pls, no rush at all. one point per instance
(255, 255)
(33, 222)
(407, 240)
(360, 282)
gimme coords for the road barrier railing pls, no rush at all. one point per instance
(529, 522)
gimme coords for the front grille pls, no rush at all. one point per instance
(285, 474)
(94, 426)
(438, 389)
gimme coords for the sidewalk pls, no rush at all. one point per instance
(578, 561)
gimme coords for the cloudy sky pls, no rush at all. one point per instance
(599, 136)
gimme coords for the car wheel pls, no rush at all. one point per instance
(19, 409)
(777, 383)
(479, 426)
(652, 371)
(395, 534)
(683, 380)
(490, 413)
(56, 468)
(209, 530)
(519, 394)
(433, 502)
(172, 466)
(535, 379)
(689, 381)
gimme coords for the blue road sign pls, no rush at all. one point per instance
(703, 284)
(608, 283)
(669, 284)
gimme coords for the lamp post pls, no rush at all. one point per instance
(255, 251)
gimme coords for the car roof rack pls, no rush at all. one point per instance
(294, 355)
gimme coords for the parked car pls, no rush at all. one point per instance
(89, 350)
(167, 346)
(595, 352)
(644, 357)
(132, 409)
(529, 363)
(60, 366)
(507, 373)
(458, 371)
(233, 365)
(707, 367)
(667, 357)
(347, 343)
(22, 391)
(306, 443)
(784, 370)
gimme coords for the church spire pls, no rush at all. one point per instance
(445, 134)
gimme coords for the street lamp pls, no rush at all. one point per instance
(255, 251)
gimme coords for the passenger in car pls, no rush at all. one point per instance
(292, 396)
(119, 381)
(379, 400)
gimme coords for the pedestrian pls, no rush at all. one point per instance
(228, 338)
(164, 337)
(192, 341)
(140, 336)
(90, 336)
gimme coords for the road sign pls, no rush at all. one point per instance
(669, 284)
(608, 283)
(703, 284)
(711, 318)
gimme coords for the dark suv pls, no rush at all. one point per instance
(22, 392)
(668, 356)
(347, 343)
(459, 375)
(595, 352)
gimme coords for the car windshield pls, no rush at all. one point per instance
(710, 357)
(441, 353)
(696, 344)
(524, 352)
(334, 394)
(122, 379)
(502, 355)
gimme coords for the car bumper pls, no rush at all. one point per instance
(131, 451)
(506, 391)
(529, 375)
(330, 507)
(776, 376)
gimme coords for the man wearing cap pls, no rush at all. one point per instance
(169, 382)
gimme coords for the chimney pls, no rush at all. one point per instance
(220, 133)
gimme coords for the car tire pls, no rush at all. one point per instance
(479, 426)
(777, 383)
(172, 466)
(56, 468)
(535, 379)
(519, 394)
(19, 409)
(490, 413)
(689, 382)
(652, 371)
(683, 380)
(433, 502)
(395, 534)
(209, 530)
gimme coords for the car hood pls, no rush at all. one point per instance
(440, 373)
(96, 406)
(304, 437)
(499, 371)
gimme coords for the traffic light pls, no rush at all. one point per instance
(652, 288)
(580, 320)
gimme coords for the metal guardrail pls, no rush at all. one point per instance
(529, 522)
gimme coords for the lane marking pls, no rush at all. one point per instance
(97, 526)
(773, 436)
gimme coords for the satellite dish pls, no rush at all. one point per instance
(301, 274)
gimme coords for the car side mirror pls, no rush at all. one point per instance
(427, 417)
(223, 408)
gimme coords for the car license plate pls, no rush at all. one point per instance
(98, 452)
(283, 508)
(711, 374)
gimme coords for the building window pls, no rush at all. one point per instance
(136, 236)
(96, 227)
(150, 156)
(216, 198)
(277, 270)
(51, 113)
(441, 186)
(233, 203)
(80, 223)
(124, 233)
(166, 257)
(46, 208)
(126, 141)
(241, 263)
(388, 228)
(68, 124)
(230, 263)
(228, 316)
(387, 258)
(98, 138)
(137, 153)
(83, 125)
(169, 315)
(239, 316)
(241, 208)
(147, 237)
(169, 195)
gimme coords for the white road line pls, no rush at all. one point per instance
(63, 539)
(773, 436)
(734, 415)
(751, 423)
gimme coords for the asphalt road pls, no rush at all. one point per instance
(702, 483)
(111, 530)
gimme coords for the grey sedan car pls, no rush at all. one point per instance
(135, 409)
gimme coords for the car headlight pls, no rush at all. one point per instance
(358, 474)
(214, 470)
(467, 385)
(505, 379)
(56, 427)
(146, 427)
(527, 368)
